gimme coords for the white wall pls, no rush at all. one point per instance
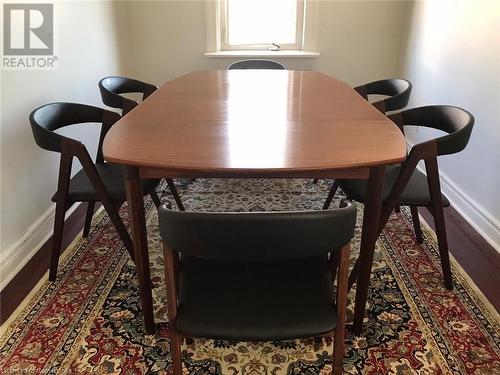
(87, 51)
(453, 57)
(161, 40)
(359, 41)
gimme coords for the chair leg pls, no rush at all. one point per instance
(334, 264)
(416, 224)
(331, 194)
(443, 246)
(175, 193)
(338, 345)
(57, 238)
(62, 205)
(385, 213)
(117, 205)
(112, 209)
(156, 199)
(176, 354)
(88, 218)
(353, 276)
(437, 210)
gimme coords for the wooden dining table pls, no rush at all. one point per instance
(255, 124)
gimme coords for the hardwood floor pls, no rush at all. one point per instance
(22, 284)
(476, 256)
(479, 259)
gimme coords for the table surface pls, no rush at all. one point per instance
(250, 121)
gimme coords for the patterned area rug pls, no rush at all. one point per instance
(89, 320)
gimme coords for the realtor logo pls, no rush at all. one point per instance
(28, 32)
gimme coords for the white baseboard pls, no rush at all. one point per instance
(17, 256)
(476, 215)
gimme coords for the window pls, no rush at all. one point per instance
(261, 24)
(261, 28)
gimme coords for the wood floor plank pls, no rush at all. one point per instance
(22, 284)
(476, 256)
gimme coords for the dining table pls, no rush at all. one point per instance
(255, 124)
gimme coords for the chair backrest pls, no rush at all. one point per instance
(112, 87)
(398, 91)
(455, 121)
(256, 64)
(50, 117)
(257, 236)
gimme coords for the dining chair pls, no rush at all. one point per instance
(397, 93)
(396, 90)
(256, 64)
(112, 88)
(405, 185)
(99, 181)
(257, 276)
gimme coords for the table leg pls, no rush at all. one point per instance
(137, 219)
(369, 236)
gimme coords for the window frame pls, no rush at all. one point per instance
(224, 35)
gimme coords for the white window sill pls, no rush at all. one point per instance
(257, 53)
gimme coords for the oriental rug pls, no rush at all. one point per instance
(89, 321)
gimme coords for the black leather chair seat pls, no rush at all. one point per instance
(255, 301)
(416, 192)
(81, 189)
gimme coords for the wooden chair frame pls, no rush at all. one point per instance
(427, 151)
(70, 148)
(339, 267)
